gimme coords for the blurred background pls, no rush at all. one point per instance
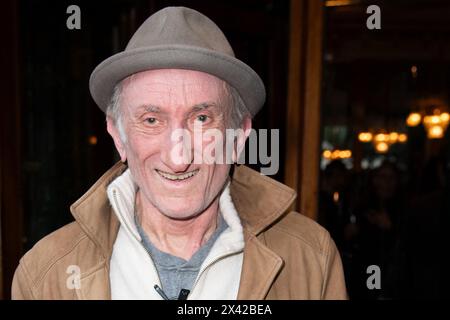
(363, 117)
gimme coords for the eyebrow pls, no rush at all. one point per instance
(195, 108)
(202, 106)
(150, 108)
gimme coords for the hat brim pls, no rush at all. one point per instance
(233, 71)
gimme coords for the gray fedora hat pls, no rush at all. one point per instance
(178, 38)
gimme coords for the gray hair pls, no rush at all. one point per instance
(238, 110)
(113, 111)
(236, 115)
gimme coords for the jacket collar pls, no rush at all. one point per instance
(94, 213)
(259, 200)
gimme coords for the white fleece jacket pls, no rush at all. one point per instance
(133, 273)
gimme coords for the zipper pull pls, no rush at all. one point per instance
(161, 292)
(183, 294)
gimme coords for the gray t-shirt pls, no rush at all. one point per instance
(176, 273)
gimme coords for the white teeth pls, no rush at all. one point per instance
(175, 177)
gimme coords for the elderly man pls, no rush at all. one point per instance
(161, 225)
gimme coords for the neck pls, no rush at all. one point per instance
(181, 238)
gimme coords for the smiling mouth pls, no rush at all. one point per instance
(177, 177)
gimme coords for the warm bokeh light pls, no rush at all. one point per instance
(413, 119)
(338, 3)
(414, 71)
(336, 197)
(381, 147)
(365, 136)
(381, 137)
(435, 132)
(393, 137)
(431, 120)
(327, 154)
(402, 138)
(445, 117)
(92, 140)
(336, 154)
(345, 154)
(436, 124)
(383, 140)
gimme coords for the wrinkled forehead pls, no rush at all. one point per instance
(172, 87)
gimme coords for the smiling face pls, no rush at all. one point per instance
(153, 105)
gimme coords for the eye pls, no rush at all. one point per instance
(202, 118)
(151, 120)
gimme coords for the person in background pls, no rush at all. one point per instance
(380, 213)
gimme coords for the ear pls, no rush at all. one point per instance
(114, 132)
(240, 141)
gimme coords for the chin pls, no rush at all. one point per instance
(176, 215)
(179, 212)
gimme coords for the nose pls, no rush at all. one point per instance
(177, 152)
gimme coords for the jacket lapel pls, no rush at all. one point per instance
(259, 269)
(94, 215)
(260, 201)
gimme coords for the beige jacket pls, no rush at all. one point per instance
(286, 255)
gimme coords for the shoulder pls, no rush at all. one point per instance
(302, 231)
(311, 261)
(50, 257)
(54, 246)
